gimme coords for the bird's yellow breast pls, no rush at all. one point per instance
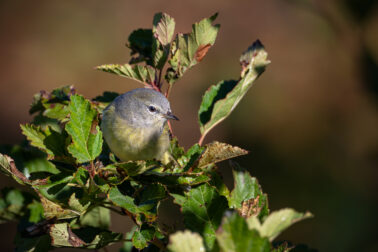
(130, 143)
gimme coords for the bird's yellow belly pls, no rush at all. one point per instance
(129, 143)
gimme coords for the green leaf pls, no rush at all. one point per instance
(220, 100)
(189, 49)
(277, 222)
(78, 205)
(203, 209)
(190, 158)
(8, 167)
(12, 204)
(57, 111)
(173, 179)
(82, 127)
(133, 168)
(98, 217)
(235, 236)
(48, 140)
(36, 211)
(143, 236)
(164, 28)
(144, 74)
(185, 241)
(216, 152)
(81, 176)
(140, 43)
(247, 196)
(127, 245)
(40, 165)
(122, 200)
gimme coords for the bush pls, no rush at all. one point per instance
(72, 180)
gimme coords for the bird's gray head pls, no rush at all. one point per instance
(143, 107)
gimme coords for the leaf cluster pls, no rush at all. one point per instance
(72, 181)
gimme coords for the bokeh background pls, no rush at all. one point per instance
(310, 122)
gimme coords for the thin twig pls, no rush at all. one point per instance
(201, 139)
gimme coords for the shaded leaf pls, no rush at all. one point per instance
(235, 236)
(40, 165)
(185, 241)
(140, 43)
(142, 237)
(32, 244)
(216, 152)
(144, 74)
(8, 167)
(35, 211)
(277, 222)
(96, 238)
(133, 168)
(122, 200)
(220, 100)
(86, 135)
(203, 209)
(98, 217)
(47, 140)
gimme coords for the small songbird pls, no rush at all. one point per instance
(135, 126)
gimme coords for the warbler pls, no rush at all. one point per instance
(135, 126)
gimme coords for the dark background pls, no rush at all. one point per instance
(310, 121)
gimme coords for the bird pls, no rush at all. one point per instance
(134, 125)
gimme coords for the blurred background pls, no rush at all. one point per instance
(310, 122)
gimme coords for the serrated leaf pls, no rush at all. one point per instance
(122, 200)
(235, 236)
(186, 241)
(164, 28)
(220, 100)
(141, 237)
(277, 222)
(216, 152)
(98, 217)
(189, 49)
(86, 134)
(8, 167)
(203, 209)
(57, 111)
(247, 196)
(81, 176)
(144, 74)
(47, 140)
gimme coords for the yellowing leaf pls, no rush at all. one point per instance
(216, 152)
(186, 241)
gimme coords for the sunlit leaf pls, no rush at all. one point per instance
(203, 209)
(8, 167)
(82, 127)
(220, 100)
(216, 152)
(189, 49)
(98, 217)
(143, 74)
(277, 222)
(247, 196)
(235, 236)
(186, 241)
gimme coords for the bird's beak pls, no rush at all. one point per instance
(169, 115)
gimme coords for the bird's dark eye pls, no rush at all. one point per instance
(151, 108)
